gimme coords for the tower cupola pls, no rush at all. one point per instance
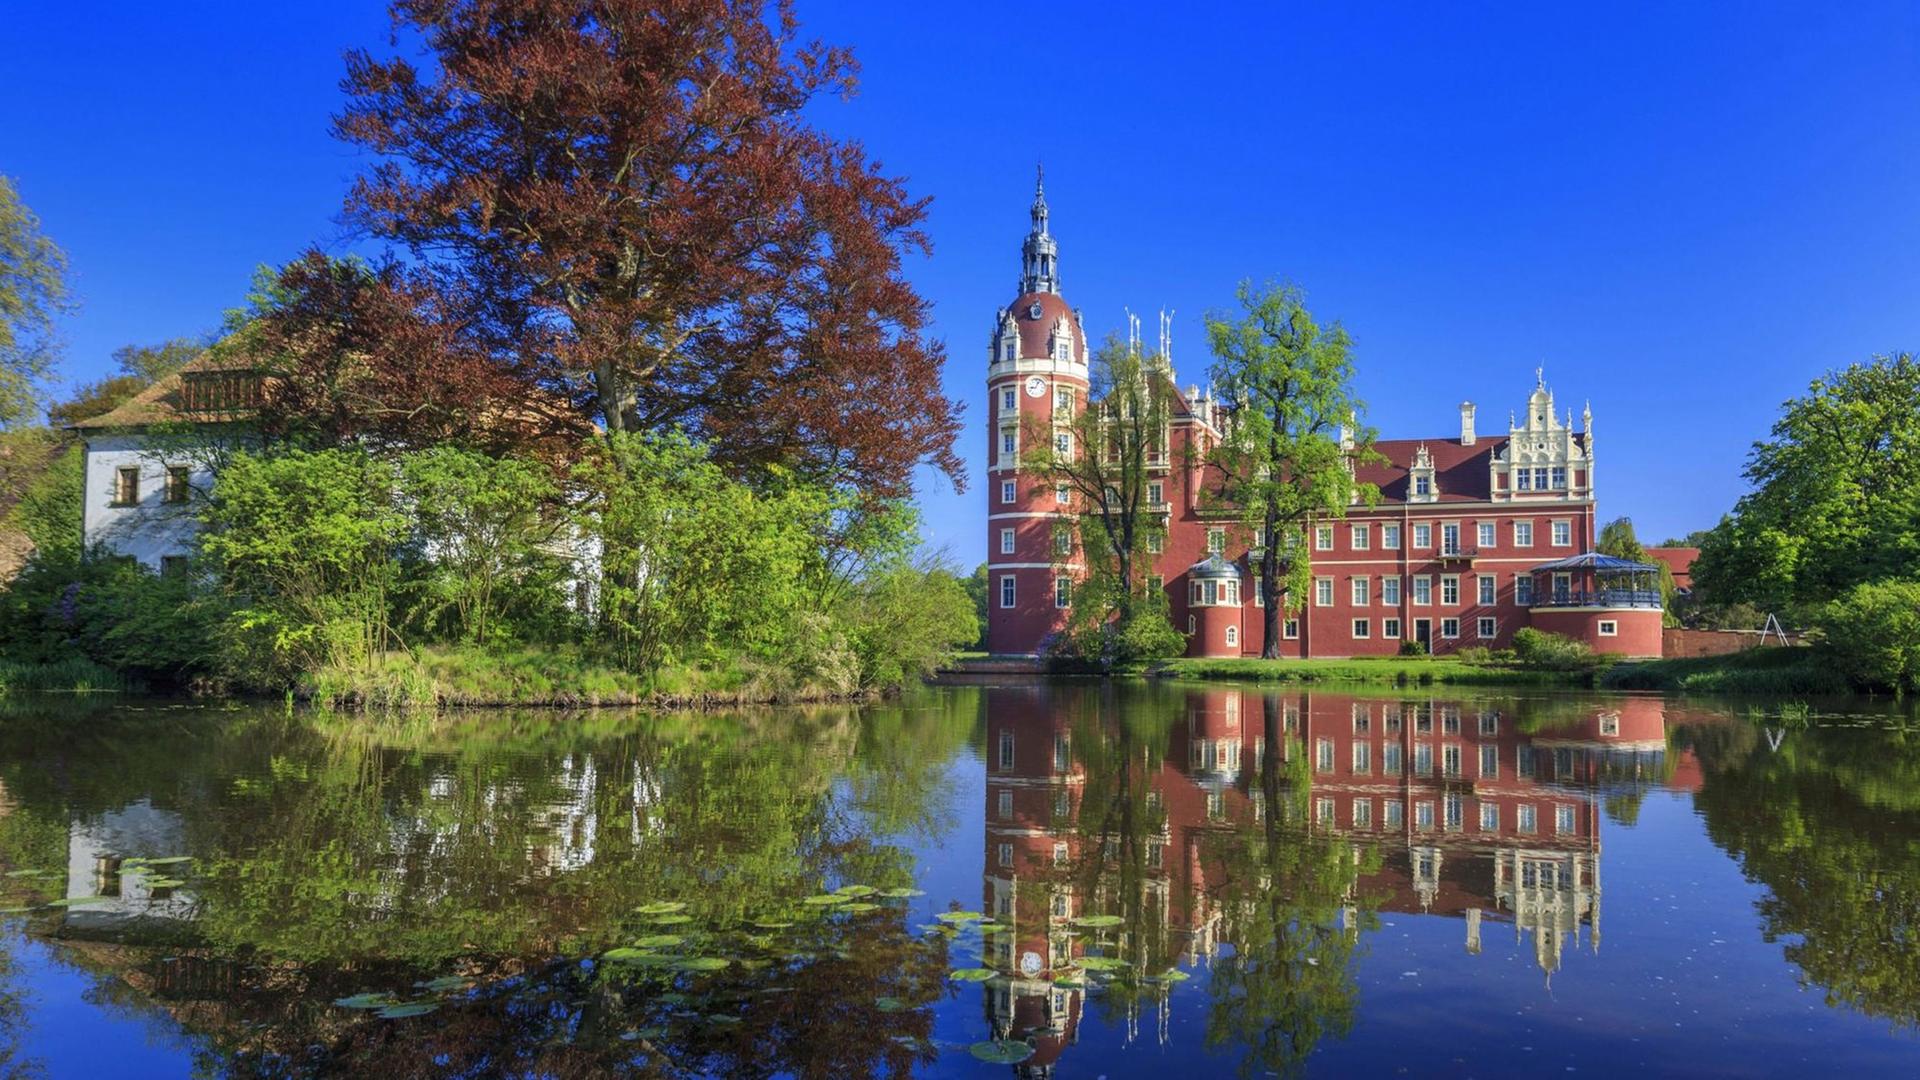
(1040, 254)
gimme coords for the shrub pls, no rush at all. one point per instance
(1873, 635)
(1551, 652)
(1410, 647)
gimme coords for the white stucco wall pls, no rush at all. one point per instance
(150, 528)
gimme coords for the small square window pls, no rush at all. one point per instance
(1390, 628)
(1485, 535)
(1449, 628)
(1488, 628)
(1609, 628)
(1007, 491)
(1360, 628)
(1323, 592)
(1323, 538)
(1390, 537)
(1562, 533)
(1290, 629)
(1361, 541)
(1423, 536)
(1523, 534)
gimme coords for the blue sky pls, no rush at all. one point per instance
(1684, 212)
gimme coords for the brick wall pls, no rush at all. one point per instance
(1679, 642)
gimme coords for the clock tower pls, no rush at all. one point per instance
(1037, 381)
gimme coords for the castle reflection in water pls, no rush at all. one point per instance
(1485, 811)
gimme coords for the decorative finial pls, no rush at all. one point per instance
(1540, 377)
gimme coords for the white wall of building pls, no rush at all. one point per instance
(150, 528)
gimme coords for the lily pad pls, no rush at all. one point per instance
(825, 899)
(445, 983)
(660, 907)
(405, 1009)
(1174, 975)
(703, 963)
(902, 894)
(772, 924)
(855, 890)
(971, 974)
(960, 917)
(889, 1004)
(669, 920)
(1100, 963)
(170, 860)
(1097, 921)
(367, 1001)
(857, 907)
(659, 941)
(1001, 1051)
(164, 883)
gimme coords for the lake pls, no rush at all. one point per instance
(1071, 879)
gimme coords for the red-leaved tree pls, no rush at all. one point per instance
(628, 197)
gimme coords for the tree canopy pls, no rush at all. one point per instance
(33, 289)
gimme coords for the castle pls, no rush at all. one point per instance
(1472, 538)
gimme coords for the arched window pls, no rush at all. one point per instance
(1233, 635)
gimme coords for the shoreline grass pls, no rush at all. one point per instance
(1396, 671)
(75, 675)
(1790, 670)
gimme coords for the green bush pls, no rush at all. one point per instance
(1410, 647)
(1551, 652)
(108, 611)
(1873, 635)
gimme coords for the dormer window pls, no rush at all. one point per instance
(1423, 485)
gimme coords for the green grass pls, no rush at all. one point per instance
(1398, 671)
(1776, 670)
(76, 675)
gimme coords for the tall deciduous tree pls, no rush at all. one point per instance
(33, 290)
(1106, 456)
(1292, 437)
(1836, 497)
(628, 192)
(1618, 539)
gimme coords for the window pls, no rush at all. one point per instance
(126, 487)
(1062, 494)
(1059, 853)
(1363, 813)
(173, 565)
(1006, 854)
(1423, 485)
(1422, 759)
(1449, 628)
(1155, 542)
(1006, 541)
(1360, 628)
(1063, 442)
(1423, 816)
(1062, 592)
(1156, 493)
(1216, 541)
(1422, 718)
(176, 484)
(1062, 541)
(1396, 815)
(1523, 480)
(1006, 804)
(1007, 488)
(1562, 587)
(1233, 635)
(1323, 755)
(1523, 534)
(1489, 761)
(1523, 589)
(1390, 537)
(1609, 628)
(1359, 586)
(1360, 539)
(1489, 817)
(1540, 477)
(1423, 590)
(1488, 628)
(1323, 592)
(1489, 722)
(1006, 590)
(1487, 587)
(1290, 629)
(1323, 538)
(1006, 351)
(1009, 401)
(1523, 761)
(1484, 534)
(1193, 626)
(1563, 819)
(1559, 477)
(1423, 536)
(1006, 750)
(1455, 809)
(1450, 719)
(1362, 717)
(1007, 444)
(1610, 723)
(1230, 592)
(1450, 760)
(1391, 760)
(1390, 628)
(1450, 539)
(1450, 590)
(1390, 591)
(1259, 599)
(1529, 819)
(1362, 758)
(1562, 533)
(1323, 811)
(1062, 398)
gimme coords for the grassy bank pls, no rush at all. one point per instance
(1394, 671)
(1778, 670)
(77, 675)
(475, 678)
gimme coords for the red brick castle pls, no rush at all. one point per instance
(1473, 536)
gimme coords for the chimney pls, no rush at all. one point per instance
(1466, 423)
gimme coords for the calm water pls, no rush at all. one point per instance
(1140, 881)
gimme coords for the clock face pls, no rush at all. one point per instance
(1030, 964)
(1036, 386)
(1033, 310)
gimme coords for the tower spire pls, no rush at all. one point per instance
(1040, 255)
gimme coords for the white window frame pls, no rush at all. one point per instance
(1359, 590)
(1562, 533)
(1323, 538)
(1009, 591)
(1006, 541)
(1009, 442)
(1362, 629)
(1489, 817)
(1523, 534)
(1488, 628)
(1009, 399)
(1487, 589)
(1290, 629)
(1009, 491)
(1523, 589)
(1323, 592)
(1449, 590)
(1063, 592)
(1216, 541)
(1390, 537)
(1360, 538)
(1455, 623)
(1390, 591)
(1609, 628)
(1422, 590)
(1485, 535)
(1233, 634)
(1390, 629)
(1156, 492)
(1422, 535)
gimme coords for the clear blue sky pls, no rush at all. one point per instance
(1684, 212)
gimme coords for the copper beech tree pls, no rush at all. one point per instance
(626, 197)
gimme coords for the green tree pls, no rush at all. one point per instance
(487, 526)
(1874, 634)
(1291, 441)
(978, 590)
(151, 363)
(1836, 497)
(303, 542)
(1618, 539)
(1107, 454)
(904, 619)
(33, 289)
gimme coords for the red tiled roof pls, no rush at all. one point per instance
(1679, 560)
(1034, 332)
(1459, 472)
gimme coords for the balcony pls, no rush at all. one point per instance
(1599, 598)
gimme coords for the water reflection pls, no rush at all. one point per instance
(1224, 857)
